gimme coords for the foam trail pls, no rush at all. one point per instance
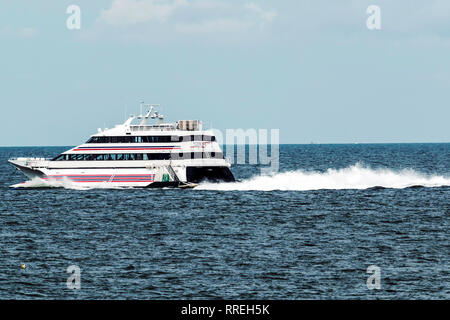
(353, 177)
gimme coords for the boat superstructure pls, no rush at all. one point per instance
(132, 154)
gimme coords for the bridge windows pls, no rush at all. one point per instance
(151, 139)
(139, 156)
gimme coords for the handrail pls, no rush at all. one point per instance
(152, 128)
(25, 158)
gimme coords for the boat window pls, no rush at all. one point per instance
(180, 156)
(150, 139)
(139, 156)
(92, 140)
(59, 158)
(158, 156)
(197, 138)
(89, 157)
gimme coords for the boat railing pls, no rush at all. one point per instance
(203, 125)
(152, 128)
(33, 159)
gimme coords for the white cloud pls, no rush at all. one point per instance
(186, 17)
(27, 32)
(267, 16)
(213, 26)
(130, 12)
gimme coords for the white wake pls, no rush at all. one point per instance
(353, 177)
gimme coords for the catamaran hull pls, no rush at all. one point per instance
(183, 177)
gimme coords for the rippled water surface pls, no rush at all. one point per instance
(307, 232)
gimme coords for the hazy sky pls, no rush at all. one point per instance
(310, 68)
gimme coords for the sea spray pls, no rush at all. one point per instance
(354, 177)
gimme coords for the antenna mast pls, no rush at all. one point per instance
(149, 114)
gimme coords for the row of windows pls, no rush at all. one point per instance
(150, 139)
(139, 156)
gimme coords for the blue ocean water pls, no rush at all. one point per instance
(307, 232)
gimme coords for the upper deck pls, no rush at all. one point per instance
(131, 128)
(181, 125)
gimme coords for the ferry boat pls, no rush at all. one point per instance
(179, 154)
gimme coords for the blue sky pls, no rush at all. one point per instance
(309, 68)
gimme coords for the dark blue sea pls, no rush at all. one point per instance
(309, 231)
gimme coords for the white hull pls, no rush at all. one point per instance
(156, 174)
